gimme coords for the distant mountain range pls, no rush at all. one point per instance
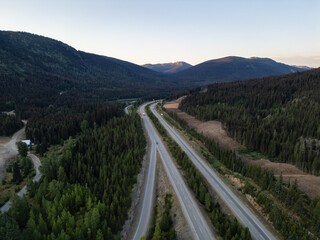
(40, 71)
(233, 69)
(168, 67)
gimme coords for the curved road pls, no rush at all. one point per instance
(243, 214)
(36, 178)
(191, 211)
(126, 109)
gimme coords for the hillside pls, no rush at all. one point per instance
(37, 70)
(168, 67)
(278, 116)
(233, 69)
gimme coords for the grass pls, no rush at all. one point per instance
(255, 155)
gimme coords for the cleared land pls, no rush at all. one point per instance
(211, 129)
(214, 129)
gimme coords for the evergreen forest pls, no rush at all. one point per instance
(278, 116)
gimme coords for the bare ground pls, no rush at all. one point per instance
(308, 183)
(211, 129)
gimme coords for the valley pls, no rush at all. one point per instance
(227, 148)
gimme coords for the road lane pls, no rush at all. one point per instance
(243, 214)
(148, 197)
(191, 211)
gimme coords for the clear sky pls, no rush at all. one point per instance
(157, 31)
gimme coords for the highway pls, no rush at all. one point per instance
(190, 209)
(36, 178)
(148, 197)
(243, 214)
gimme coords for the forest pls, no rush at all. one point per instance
(278, 116)
(53, 125)
(84, 191)
(9, 124)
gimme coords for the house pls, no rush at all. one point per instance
(28, 142)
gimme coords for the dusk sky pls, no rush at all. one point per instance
(150, 31)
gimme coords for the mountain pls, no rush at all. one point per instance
(303, 67)
(38, 70)
(168, 67)
(232, 69)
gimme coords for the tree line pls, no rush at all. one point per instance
(278, 116)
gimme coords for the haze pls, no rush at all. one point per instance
(144, 31)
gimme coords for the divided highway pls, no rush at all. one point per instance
(243, 214)
(192, 213)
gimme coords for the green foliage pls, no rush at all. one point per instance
(53, 125)
(23, 149)
(277, 116)
(16, 177)
(9, 124)
(9, 228)
(38, 71)
(163, 229)
(85, 191)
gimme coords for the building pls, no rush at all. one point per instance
(28, 142)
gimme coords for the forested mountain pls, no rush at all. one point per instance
(233, 69)
(36, 70)
(279, 116)
(168, 67)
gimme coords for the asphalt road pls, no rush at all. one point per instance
(148, 197)
(243, 214)
(191, 211)
(126, 109)
(36, 178)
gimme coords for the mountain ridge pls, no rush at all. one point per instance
(168, 68)
(234, 68)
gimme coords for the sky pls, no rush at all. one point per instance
(160, 31)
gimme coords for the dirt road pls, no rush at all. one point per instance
(9, 150)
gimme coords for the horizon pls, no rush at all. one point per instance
(165, 32)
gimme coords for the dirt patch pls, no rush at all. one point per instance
(4, 140)
(235, 181)
(211, 129)
(174, 104)
(308, 183)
